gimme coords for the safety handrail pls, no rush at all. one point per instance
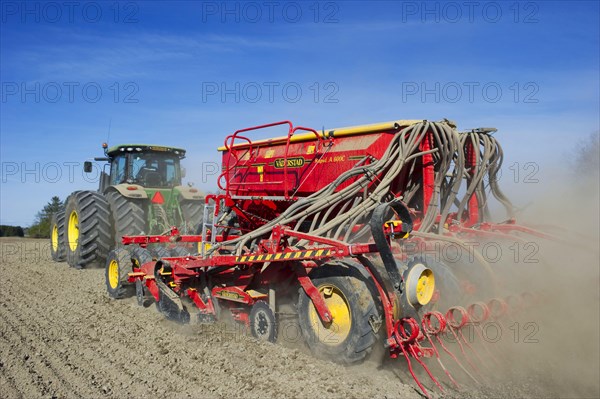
(285, 156)
(229, 147)
(230, 143)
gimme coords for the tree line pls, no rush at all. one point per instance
(11, 231)
(41, 225)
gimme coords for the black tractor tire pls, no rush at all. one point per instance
(159, 251)
(351, 339)
(191, 212)
(180, 251)
(88, 236)
(128, 216)
(57, 237)
(118, 266)
(139, 256)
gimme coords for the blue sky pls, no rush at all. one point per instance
(190, 73)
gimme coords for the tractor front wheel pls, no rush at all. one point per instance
(349, 338)
(118, 265)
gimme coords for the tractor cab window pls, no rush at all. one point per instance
(118, 169)
(155, 170)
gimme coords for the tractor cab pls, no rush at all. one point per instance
(149, 166)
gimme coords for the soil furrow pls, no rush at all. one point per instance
(7, 386)
(60, 335)
(46, 356)
(77, 352)
(29, 372)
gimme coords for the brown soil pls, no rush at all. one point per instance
(61, 336)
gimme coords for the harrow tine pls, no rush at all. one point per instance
(428, 330)
(415, 354)
(477, 356)
(478, 314)
(401, 343)
(499, 311)
(410, 347)
(457, 361)
(498, 308)
(457, 326)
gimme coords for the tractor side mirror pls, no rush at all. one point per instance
(183, 172)
(87, 166)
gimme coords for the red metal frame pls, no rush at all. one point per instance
(233, 151)
(250, 193)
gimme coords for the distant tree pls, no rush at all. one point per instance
(11, 231)
(586, 160)
(41, 226)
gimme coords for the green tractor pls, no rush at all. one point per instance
(141, 194)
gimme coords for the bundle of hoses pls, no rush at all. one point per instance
(333, 212)
(488, 157)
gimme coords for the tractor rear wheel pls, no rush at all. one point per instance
(159, 251)
(88, 235)
(349, 338)
(139, 256)
(57, 237)
(128, 216)
(118, 265)
(180, 251)
(191, 212)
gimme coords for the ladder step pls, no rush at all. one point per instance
(208, 223)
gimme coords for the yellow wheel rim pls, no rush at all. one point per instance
(73, 231)
(113, 274)
(337, 331)
(54, 238)
(425, 287)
